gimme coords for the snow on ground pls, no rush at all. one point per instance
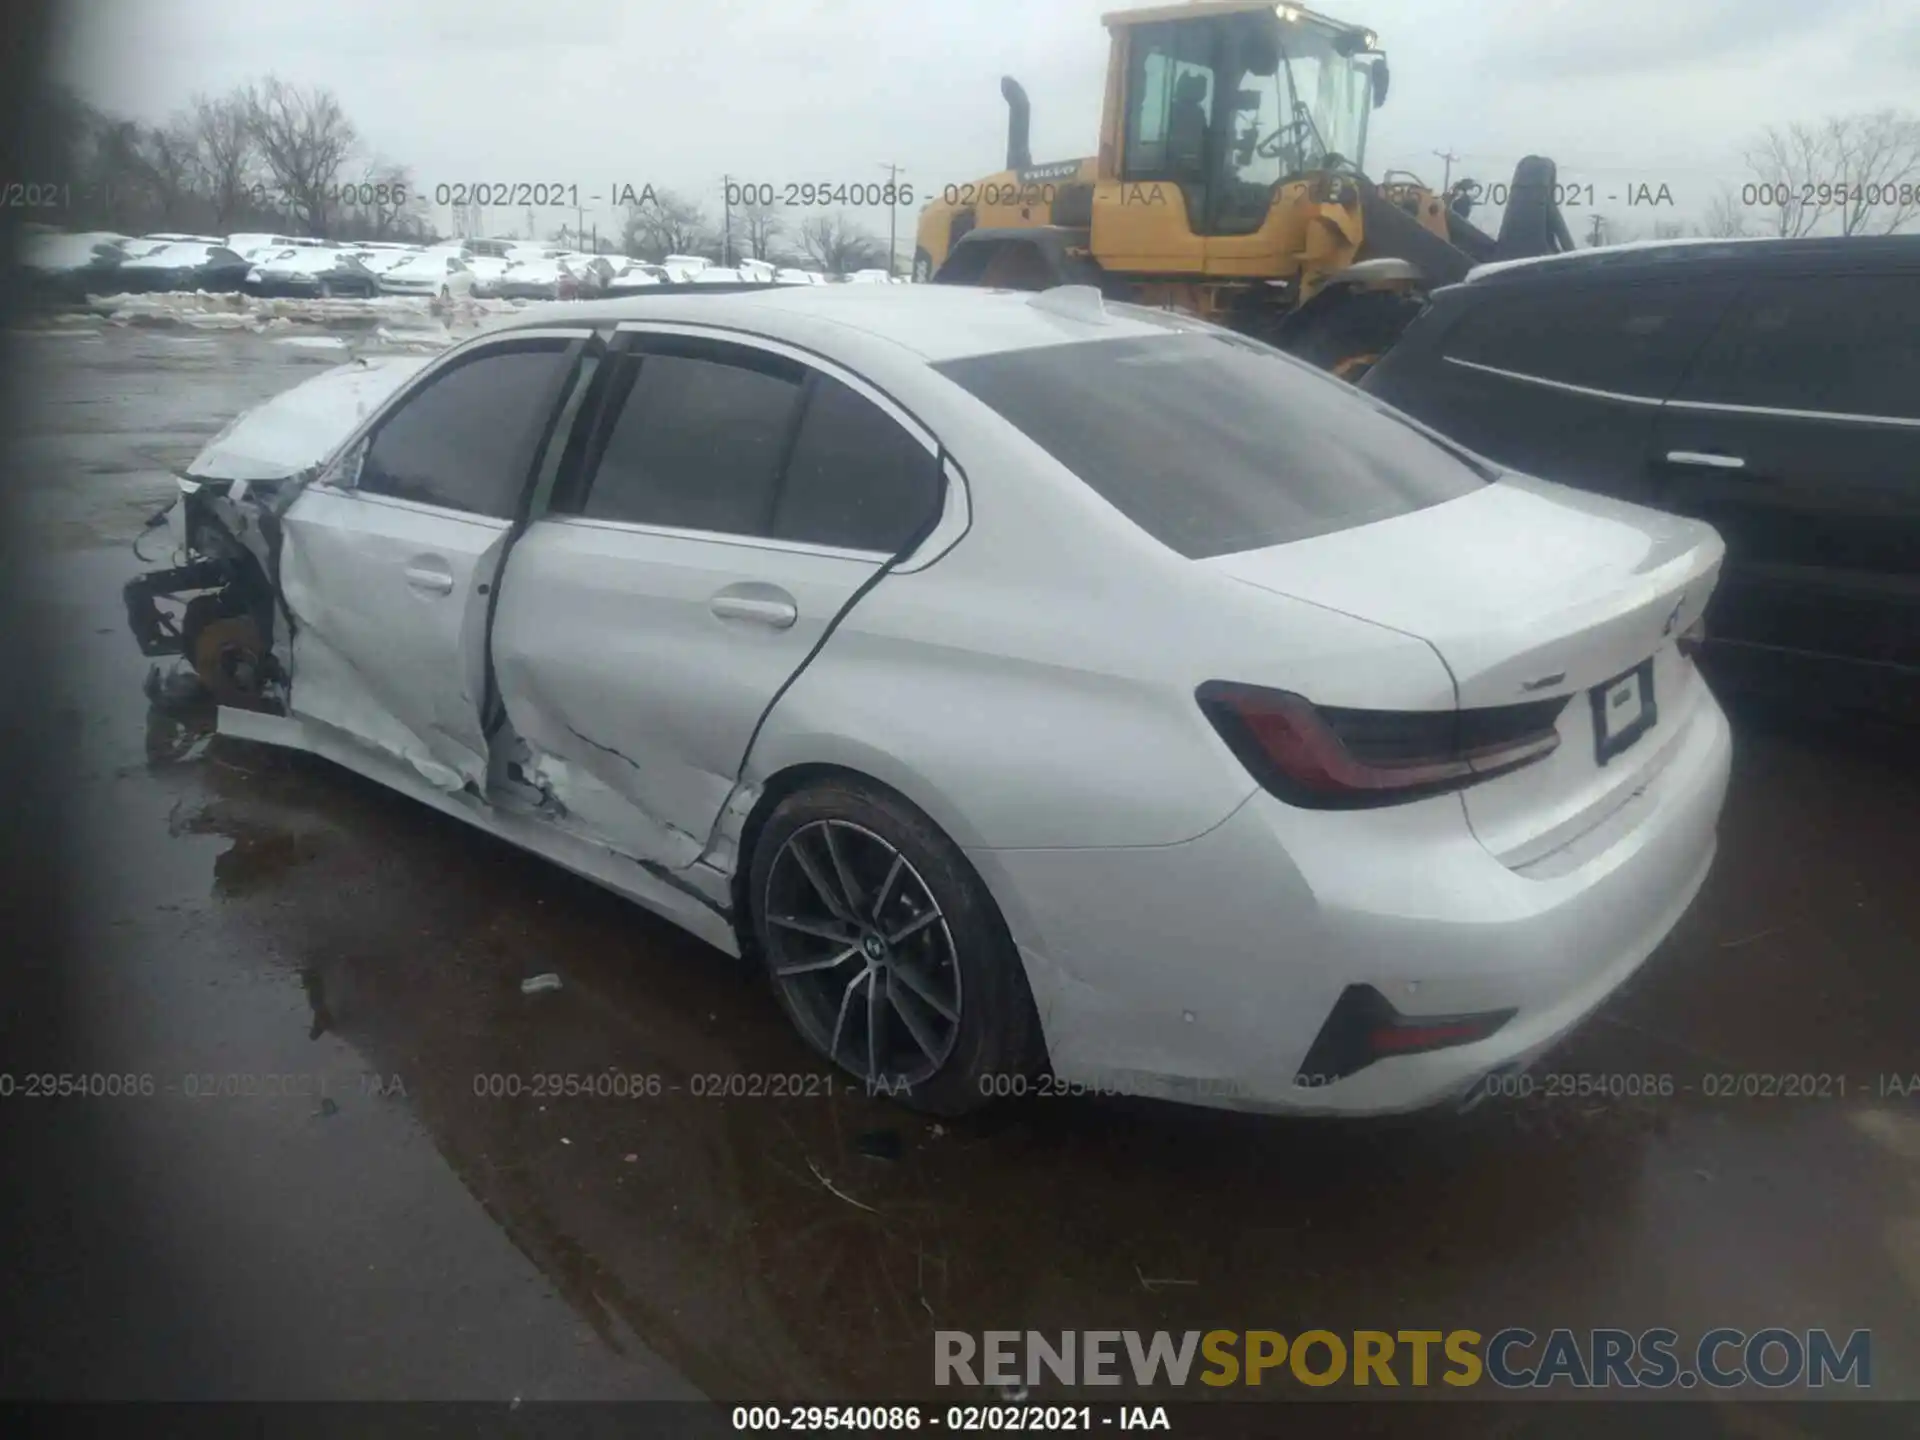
(413, 322)
(313, 342)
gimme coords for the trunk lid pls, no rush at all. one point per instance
(1530, 591)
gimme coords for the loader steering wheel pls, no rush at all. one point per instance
(1286, 137)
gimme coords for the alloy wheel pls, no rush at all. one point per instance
(862, 954)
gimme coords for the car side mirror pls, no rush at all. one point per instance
(344, 472)
(1380, 78)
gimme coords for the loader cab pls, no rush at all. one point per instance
(1225, 101)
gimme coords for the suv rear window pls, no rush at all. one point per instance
(1213, 444)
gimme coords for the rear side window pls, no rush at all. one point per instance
(1844, 343)
(1630, 339)
(465, 440)
(856, 478)
(698, 441)
(1213, 444)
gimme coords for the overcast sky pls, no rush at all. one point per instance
(677, 92)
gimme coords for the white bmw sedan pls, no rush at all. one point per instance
(1021, 680)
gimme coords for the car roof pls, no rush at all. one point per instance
(936, 322)
(309, 257)
(1738, 255)
(180, 249)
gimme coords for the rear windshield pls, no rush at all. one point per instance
(1214, 444)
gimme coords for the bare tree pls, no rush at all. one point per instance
(1789, 169)
(762, 225)
(304, 138)
(1724, 219)
(1872, 162)
(225, 155)
(119, 173)
(395, 205)
(666, 224)
(1669, 229)
(169, 163)
(838, 246)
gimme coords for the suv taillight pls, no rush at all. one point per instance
(1326, 758)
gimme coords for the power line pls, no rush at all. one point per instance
(1446, 183)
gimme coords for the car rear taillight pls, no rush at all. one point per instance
(1326, 758)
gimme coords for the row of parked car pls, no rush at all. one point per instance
(73, 266)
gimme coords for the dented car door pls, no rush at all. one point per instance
(728, 505)
(389, 560)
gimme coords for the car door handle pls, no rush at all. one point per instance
(434, 582)
(763, 605)
(1706, 458)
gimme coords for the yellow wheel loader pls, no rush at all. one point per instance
(1229, 184)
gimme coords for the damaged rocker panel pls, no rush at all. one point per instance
(670, 897)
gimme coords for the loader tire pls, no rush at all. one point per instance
(1346, 333)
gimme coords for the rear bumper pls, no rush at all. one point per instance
(1202, 972)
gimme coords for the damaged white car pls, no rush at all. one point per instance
(1024, 680)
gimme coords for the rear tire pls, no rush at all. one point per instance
(886, 951)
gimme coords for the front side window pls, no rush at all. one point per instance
(698, 439)
(1169, 101)
(1213, 444)
(464, 441)
(1843, 343)
(1631, 339)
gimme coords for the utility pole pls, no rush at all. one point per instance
(893, 214)
(726, 221)
(1595, 229)
(1446, 182)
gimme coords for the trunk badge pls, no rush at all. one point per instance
(1544, 681)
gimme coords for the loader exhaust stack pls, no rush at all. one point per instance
(1019, 112)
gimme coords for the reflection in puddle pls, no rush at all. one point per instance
(810, 1246)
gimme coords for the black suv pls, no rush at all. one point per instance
(1769, 387)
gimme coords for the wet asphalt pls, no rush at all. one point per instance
(388, 1223)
